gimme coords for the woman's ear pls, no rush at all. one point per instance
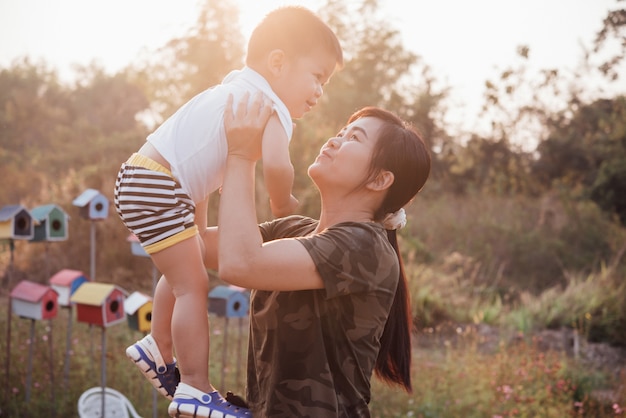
(275, 61)
(383, 180)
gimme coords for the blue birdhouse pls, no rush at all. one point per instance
(229, 301)
(65, 282)
(93, 205)
(135, 246)
(16, 222)
(51, 223)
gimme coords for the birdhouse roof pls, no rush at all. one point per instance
(135, 301)
(92, 293)
(30, 291)
(227, 292)
(41, 212)
(65, 277)
(132, 238)
(86, 197)
(10, 211)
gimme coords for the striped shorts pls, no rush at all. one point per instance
(152, 204)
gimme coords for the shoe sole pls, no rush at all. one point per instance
(189, 410)
(149, 373)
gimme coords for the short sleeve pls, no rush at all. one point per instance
(353, 258)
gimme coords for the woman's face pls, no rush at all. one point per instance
(344, 160)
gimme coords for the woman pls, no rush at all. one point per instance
(331, 303)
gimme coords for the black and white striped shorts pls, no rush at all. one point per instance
(152, 204)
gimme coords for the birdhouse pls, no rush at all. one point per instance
(34, 301)
(229, 301)
(93, 205)
(16, 222)
(99, 304)
(51, 223)
(138, 308)
(65, 282)
(136, 247)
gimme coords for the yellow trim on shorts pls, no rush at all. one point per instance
(139, 160)
(169, 241)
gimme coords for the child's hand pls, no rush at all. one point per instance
(244, 127)
(285, 210)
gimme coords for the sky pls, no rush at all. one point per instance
(465, 42)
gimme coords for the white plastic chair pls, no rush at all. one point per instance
(116, 405)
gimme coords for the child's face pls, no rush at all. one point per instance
(300, 83)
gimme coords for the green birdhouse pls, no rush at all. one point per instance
(51, 223)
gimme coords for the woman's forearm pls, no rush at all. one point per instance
(239, 236)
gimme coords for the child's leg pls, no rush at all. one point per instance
(182, 266)
(161, 324)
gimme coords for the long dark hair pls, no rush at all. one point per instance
(401, 150)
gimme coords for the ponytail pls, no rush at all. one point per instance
(393, 363)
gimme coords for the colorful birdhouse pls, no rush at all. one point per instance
(16, 223)
(51, 223)
(93, 205)
(65, 282)
(34, 301)
(138, 308)
(99, 304)
(135, 246)
(229, 301)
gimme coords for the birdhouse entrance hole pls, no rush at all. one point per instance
(50, 306)
(115, 306)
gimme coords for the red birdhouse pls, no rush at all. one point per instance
(34, 301)
(99, 304)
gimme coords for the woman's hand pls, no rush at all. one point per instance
(244, 127)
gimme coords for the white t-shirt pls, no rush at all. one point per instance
(193, 140)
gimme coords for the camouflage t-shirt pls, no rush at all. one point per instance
(312, 352)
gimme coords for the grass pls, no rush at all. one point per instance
(457, 378)
(461, 371)
(52, 395)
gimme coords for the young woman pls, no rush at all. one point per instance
(330, 305)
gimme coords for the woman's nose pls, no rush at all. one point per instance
(334, 142)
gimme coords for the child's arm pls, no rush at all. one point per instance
(277, 169)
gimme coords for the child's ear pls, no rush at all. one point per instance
(383, 180)
(276, 61)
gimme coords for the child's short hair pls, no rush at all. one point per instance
(294, 29)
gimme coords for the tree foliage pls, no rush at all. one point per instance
(57, 139)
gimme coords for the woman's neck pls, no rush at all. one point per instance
(330, 216)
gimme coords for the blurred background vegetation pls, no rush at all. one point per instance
(522, 229)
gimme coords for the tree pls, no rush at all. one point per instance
(187, 65)
(588, 153)
(378, 71)
(614, 29)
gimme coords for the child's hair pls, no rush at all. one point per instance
(294, 29)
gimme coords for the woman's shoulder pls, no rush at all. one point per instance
(287, 227)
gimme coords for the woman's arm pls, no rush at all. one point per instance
(244, 260)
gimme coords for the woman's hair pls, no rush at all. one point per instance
(401, 150)
(294, 29)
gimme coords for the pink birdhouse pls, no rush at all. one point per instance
(34, 301)
(66, 282)
(99, 304)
